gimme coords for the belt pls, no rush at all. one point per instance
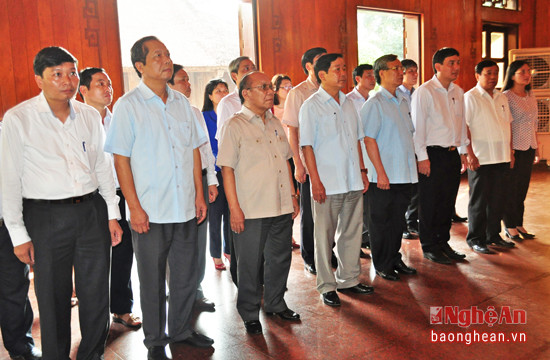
(73, 200)
(446, 148)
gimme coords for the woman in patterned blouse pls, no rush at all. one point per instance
(523, 106)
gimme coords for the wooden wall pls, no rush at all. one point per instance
(288, 27)
(87, 28)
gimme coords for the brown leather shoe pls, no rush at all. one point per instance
(128, 320)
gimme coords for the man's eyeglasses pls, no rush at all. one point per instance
(263, 87)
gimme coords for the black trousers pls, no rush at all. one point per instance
(67, 236)
(485, 208)
(122, 258)
(307, 246)
(518, 184)
(218, 213)
(437, 197)
(16, 314)
(386, 222)
(411, 216)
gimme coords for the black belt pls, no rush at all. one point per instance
(73, 200)
(446, 148)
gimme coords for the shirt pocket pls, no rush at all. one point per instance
(328, 125)
(185, 133)
(252, 152)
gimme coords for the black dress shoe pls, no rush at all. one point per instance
(253, 327)
(157, 353)
(512, 237)
(458, 219)
(402, 268)
(331, 298)
(205, 304)
(413, 229)
(526, 235)
(365, 241)
(482, 249)
(363, 255)
(358, 289)
(437, 256)
(198, 340)
(500, 242)
(32, 354)
(451, 253)
(310, 268)
(286, 314)
(409, 235)
(392, 276)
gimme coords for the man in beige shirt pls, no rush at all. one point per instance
(253, 155)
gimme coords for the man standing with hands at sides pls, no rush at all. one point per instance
(155, 139)
(330, 135)
(489, 157)
(294, 101)
(253, 156)
(391, 166)
(438, 117)
(60, 204)
(180, 82)
(97, 91)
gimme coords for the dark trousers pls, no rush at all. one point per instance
(264, 241)
(174, 244)
(67, 236)
(202, 231)
(411, 216)
(518, 184)
(387, 211)
(218, 214)
(122, 258)
(16, 314)
(437, 197)
(487, 191)
(307, 246)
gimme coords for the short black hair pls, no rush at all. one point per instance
(512, 68)
(177, 67)
(245, 84)
(86, 77)
(382, 64)
(441, 54)
(139, 51)
(51, 56)
(408, 63)
(358, 71)
(208, 90)
(484, 64)
(309, 56)
(276, 81)
(234, 65)
(324, 62)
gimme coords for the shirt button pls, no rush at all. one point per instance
(275, 155)
(270, 141)
(281, 185)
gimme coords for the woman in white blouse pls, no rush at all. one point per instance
(523, 106)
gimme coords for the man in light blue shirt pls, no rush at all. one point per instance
(330, 134)
(391, 166)
(155, 139)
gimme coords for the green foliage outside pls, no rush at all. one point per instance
(379, 33)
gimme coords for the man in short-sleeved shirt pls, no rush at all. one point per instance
(391, 166)
(489, 154)
(253, 155)
(330, 132)
(155, 138)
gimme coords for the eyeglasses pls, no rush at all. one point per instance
(398, 68)
(526, 72)
(288, 87)
(264, 87)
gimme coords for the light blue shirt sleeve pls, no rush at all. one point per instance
(121, 136)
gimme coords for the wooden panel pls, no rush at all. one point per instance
(87, 28)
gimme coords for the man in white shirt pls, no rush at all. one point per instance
(293, 103)
(490, 155)
(330, 132)
(97, 91)
(438, 116)
(180, 82)
(60, 204)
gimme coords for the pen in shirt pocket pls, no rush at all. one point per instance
(84, 146)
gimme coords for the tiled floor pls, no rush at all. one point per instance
(393, 323)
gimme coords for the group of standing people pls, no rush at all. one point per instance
(64, 204)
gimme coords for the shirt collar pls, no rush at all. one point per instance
(484, 92)
(147, 93)
(326, 97)
(312, 84)
(399, 96)
(437, 84)
(44, 107)
(249, 114)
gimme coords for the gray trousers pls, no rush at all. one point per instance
(67, 235)
(201, 243)
(175, 244)
(271, 237)
(339, 219)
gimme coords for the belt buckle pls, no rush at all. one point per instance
(77, 200)
(452, 148)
